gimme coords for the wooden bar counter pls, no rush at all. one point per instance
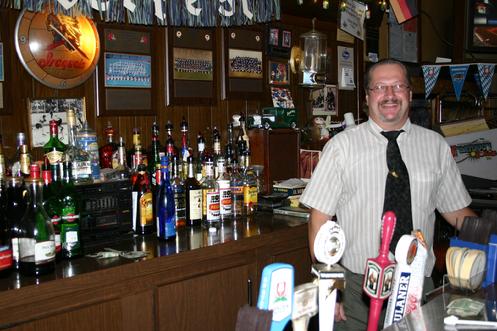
(197, 282)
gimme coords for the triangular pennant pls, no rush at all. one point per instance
(486, 72)
(478, 82)
(430, 74)
(458, 75)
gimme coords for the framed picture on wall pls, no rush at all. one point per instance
(128, 70)
(42, 111)
(245, 63)
(325, 101)
(279, 73)
(286, 40)
(274, 37)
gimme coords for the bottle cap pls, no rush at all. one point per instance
(34, 171)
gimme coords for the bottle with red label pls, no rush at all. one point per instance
(5, 241)
(142, 203)
(210, 195)
(107, 151)
(36, 238)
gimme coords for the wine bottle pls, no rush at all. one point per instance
(142, 208)
(54, 148)
(53, 206)
(5, 240)
(193, 197)
(69, 228)
(37, 243)
(17, 199)
(166, 220)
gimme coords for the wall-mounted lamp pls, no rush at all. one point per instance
(309, 59)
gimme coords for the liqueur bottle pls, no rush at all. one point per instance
(70, 227)
(193, 197)
(107, 151)
(142, 208)
(236, 185)
(54, 148)
(210, 195)
(79, 159)
(171, 149)
(229, 150)
(17, 199)
(223, 185)
(179, 194)
(156, 153)
(200, 157)
(122, 166)
(185, 149)
(36, 242)
(135, 159)
(249, 186)
(53, 206)
(22, 159)
(5, 240)
(166, 220)
(87, 140)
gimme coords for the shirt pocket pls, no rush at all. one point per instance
(424, 184)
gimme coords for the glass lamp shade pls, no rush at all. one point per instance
(314, 46)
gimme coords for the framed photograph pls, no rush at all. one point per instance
(245, 64)
(192, 64)
(325, 101)
(42, 111)
(128, 70)
(482, 23)
(286, 40)
(281, 97)
(2, 75)
(274, 36)
(279, 73)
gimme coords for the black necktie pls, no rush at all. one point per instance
(397, 189)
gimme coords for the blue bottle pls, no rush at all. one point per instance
(166, 219)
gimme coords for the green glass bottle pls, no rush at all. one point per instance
(69, 228)
(54, 148)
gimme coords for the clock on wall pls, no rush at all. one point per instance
(59, 51)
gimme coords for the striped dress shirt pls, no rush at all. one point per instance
(349, 182)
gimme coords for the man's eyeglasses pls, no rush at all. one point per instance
(382, 88)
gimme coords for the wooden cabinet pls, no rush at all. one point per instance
(278, 151)
(199, 289)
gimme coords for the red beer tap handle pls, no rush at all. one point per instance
(388, 227)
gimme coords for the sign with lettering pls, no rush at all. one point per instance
(59, 51)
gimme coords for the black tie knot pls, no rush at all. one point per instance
(391, 135)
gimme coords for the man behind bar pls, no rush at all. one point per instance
(349, 182)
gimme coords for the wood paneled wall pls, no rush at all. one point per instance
(19, 87)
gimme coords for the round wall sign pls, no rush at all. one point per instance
(59, 51)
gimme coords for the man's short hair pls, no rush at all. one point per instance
(367, 76)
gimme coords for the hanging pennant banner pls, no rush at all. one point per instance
(430, 74)
(485, 72)
(458, 75)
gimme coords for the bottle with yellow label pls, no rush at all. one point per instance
(142, 203)
(249, 186)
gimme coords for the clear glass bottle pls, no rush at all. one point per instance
(210, 194)
(229, 150)
(223, 185)
(122, 166)
(236, 185)
(166, 220)
(70, 227)
(79, 159)
(199, 174)
(185, 148)
(250, 196)
(87, 140)
(179, 194)
(54, 148)
(193, 197)
(37, 240)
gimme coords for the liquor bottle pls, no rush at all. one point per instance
(166, 220)
(223, 185)
(193, 197)
(54, 148)
(229, 150)
(107, 151)
(137, 143)
(21, 155)
(171, 149)
(37, 242)
(216, 148)
(5, 240)
(210, 194)
(179, 194)
(17, 199)
(156, 152)
(122, 166)
(53, 206)
(142, 208)
(241, 146)
(185, 149)
(79, 159)
(3, 169)
(87, 140)
(249, 186)
(236, 185)
(70, 228)
(200, 157)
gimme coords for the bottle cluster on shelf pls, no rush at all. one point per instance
(172, 187)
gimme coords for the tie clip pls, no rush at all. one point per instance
(393, 173)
